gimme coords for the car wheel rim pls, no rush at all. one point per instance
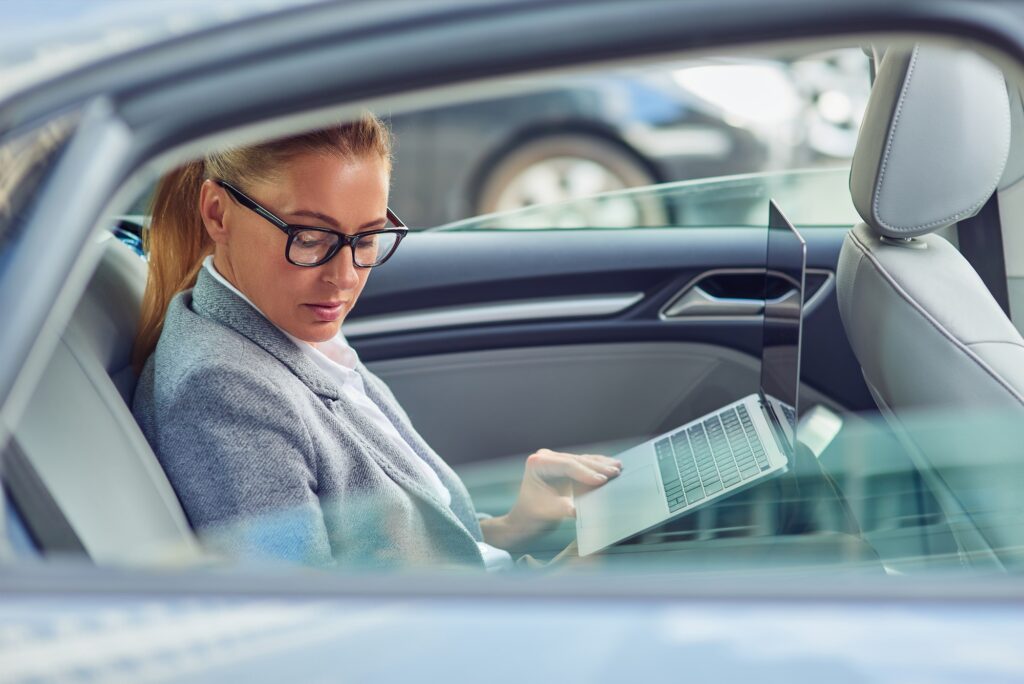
(565, 180)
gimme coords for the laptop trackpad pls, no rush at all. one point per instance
(624, 506)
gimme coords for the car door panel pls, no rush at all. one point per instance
(448, 324)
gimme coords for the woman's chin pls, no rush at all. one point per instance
(315, 332)
(323, 331)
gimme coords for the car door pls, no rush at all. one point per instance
(500, 341)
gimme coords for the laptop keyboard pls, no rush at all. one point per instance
(699, 461)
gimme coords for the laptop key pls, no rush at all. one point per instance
(693, 495)
(713, 487)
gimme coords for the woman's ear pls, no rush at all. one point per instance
(212, 206)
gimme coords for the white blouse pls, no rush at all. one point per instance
(338, 360)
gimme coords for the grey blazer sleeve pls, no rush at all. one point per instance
(244, 473)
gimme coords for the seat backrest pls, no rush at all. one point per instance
(943, 361)
(79, 436)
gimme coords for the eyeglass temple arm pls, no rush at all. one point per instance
(393, 217)
(252, 204)
(283, 225)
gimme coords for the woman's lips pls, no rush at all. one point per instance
(326, 311)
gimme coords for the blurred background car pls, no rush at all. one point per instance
(565, 140)
(559, 140)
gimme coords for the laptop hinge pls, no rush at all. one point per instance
(777, 430)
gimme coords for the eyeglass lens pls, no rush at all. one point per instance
(310, 247)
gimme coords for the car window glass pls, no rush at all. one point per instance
(695, 138)
(699, 140)
(813, 197)
(735, 133)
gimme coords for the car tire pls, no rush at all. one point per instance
(570, 167)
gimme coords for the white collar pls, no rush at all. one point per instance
(335, 351)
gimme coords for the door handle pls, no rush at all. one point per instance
(696, 302)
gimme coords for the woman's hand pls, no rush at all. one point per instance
(545, 496)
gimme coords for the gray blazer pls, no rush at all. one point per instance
(270, 460)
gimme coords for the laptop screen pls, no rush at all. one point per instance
(784, 288)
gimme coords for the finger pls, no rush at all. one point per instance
(594, 459)
(603, 464)
(551, 464)
(580, 471)
(606, 469)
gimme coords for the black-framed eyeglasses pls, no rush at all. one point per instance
(314, 246)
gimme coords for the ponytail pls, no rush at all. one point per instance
(176, 242)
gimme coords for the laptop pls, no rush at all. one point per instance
(724, 452)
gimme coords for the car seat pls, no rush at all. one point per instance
(943, 362)
(80, 439)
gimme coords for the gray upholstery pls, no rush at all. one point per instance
(79, 435)
(938, 353)
(933, 143)
(915, 309)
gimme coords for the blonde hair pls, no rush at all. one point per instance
(176, 240)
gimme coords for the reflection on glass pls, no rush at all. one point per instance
(812, 197)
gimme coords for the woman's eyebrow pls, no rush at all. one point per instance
(334, 224)
(317, 215)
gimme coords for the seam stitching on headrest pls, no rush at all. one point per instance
(952, 218)
(889, 140)
(928, 317)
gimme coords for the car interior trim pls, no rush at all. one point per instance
(583, 306)
(46, 523)
(693, 303)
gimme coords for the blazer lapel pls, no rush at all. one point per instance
(216, 302)
(462, 503)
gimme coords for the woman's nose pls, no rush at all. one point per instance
(341, 270)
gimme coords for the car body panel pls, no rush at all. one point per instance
(593, 640)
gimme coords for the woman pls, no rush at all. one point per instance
(277, 440)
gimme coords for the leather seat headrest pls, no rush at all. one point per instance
(934, 140)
